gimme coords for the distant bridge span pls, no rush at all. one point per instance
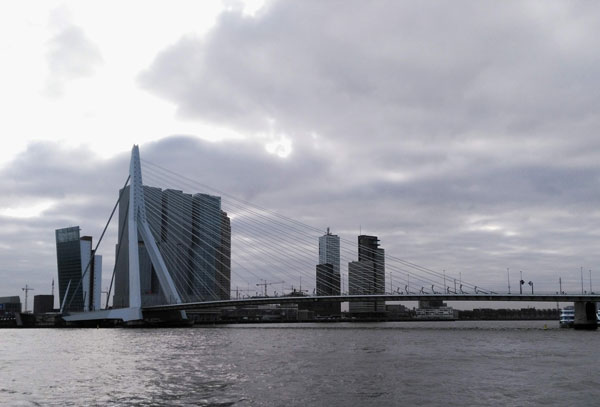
(375, 297)
(583, 312)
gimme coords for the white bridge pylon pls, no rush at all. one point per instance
(137, 223)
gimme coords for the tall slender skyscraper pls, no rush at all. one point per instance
(329, 250)
(328, 273)
(367, 275)
(79, 271)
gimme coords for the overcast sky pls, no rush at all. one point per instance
(464, 134)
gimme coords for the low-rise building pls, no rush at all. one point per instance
(10, 305)
(43, 303)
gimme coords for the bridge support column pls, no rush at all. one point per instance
(585, 315)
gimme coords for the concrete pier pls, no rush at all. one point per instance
(585, 315)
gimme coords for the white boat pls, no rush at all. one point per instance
(567, 316)
(435, 314)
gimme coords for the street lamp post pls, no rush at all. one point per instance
(521, 282)
(560, 285)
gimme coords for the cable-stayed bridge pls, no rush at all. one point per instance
(192, 248)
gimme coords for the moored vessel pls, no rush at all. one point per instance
(567, 317)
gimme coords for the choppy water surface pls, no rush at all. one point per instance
(375, 364)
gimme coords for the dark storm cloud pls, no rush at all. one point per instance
(464, 134)
(70, 54)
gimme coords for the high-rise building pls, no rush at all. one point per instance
(328, 274)
(328, 283)
(329, 250)
(193, 235)
(79, 271)
(367, 275)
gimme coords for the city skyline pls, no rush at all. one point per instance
(310, 202)
(466, 164)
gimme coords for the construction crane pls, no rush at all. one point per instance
(265, 283)
(26, 289)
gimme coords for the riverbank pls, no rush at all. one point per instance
(54, 320)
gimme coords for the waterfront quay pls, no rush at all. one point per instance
(276, 314)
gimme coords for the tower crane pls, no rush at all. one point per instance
(26, 289)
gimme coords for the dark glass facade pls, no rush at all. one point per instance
(193, 235)
(68, 257)
(367, 275)
(43, 303)
(10, 305)
(328, 283)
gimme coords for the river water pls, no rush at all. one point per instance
(324, 364)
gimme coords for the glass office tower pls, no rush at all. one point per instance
(79, 271)
(193, 235)
(367, 275)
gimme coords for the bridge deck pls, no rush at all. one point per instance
(382, 297)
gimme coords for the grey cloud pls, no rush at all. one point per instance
(477, 224)
(424, 91)
(540, 219)
(244, 169)
(383, 70)
(464, 134)
(70, 55)
(83, 189)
